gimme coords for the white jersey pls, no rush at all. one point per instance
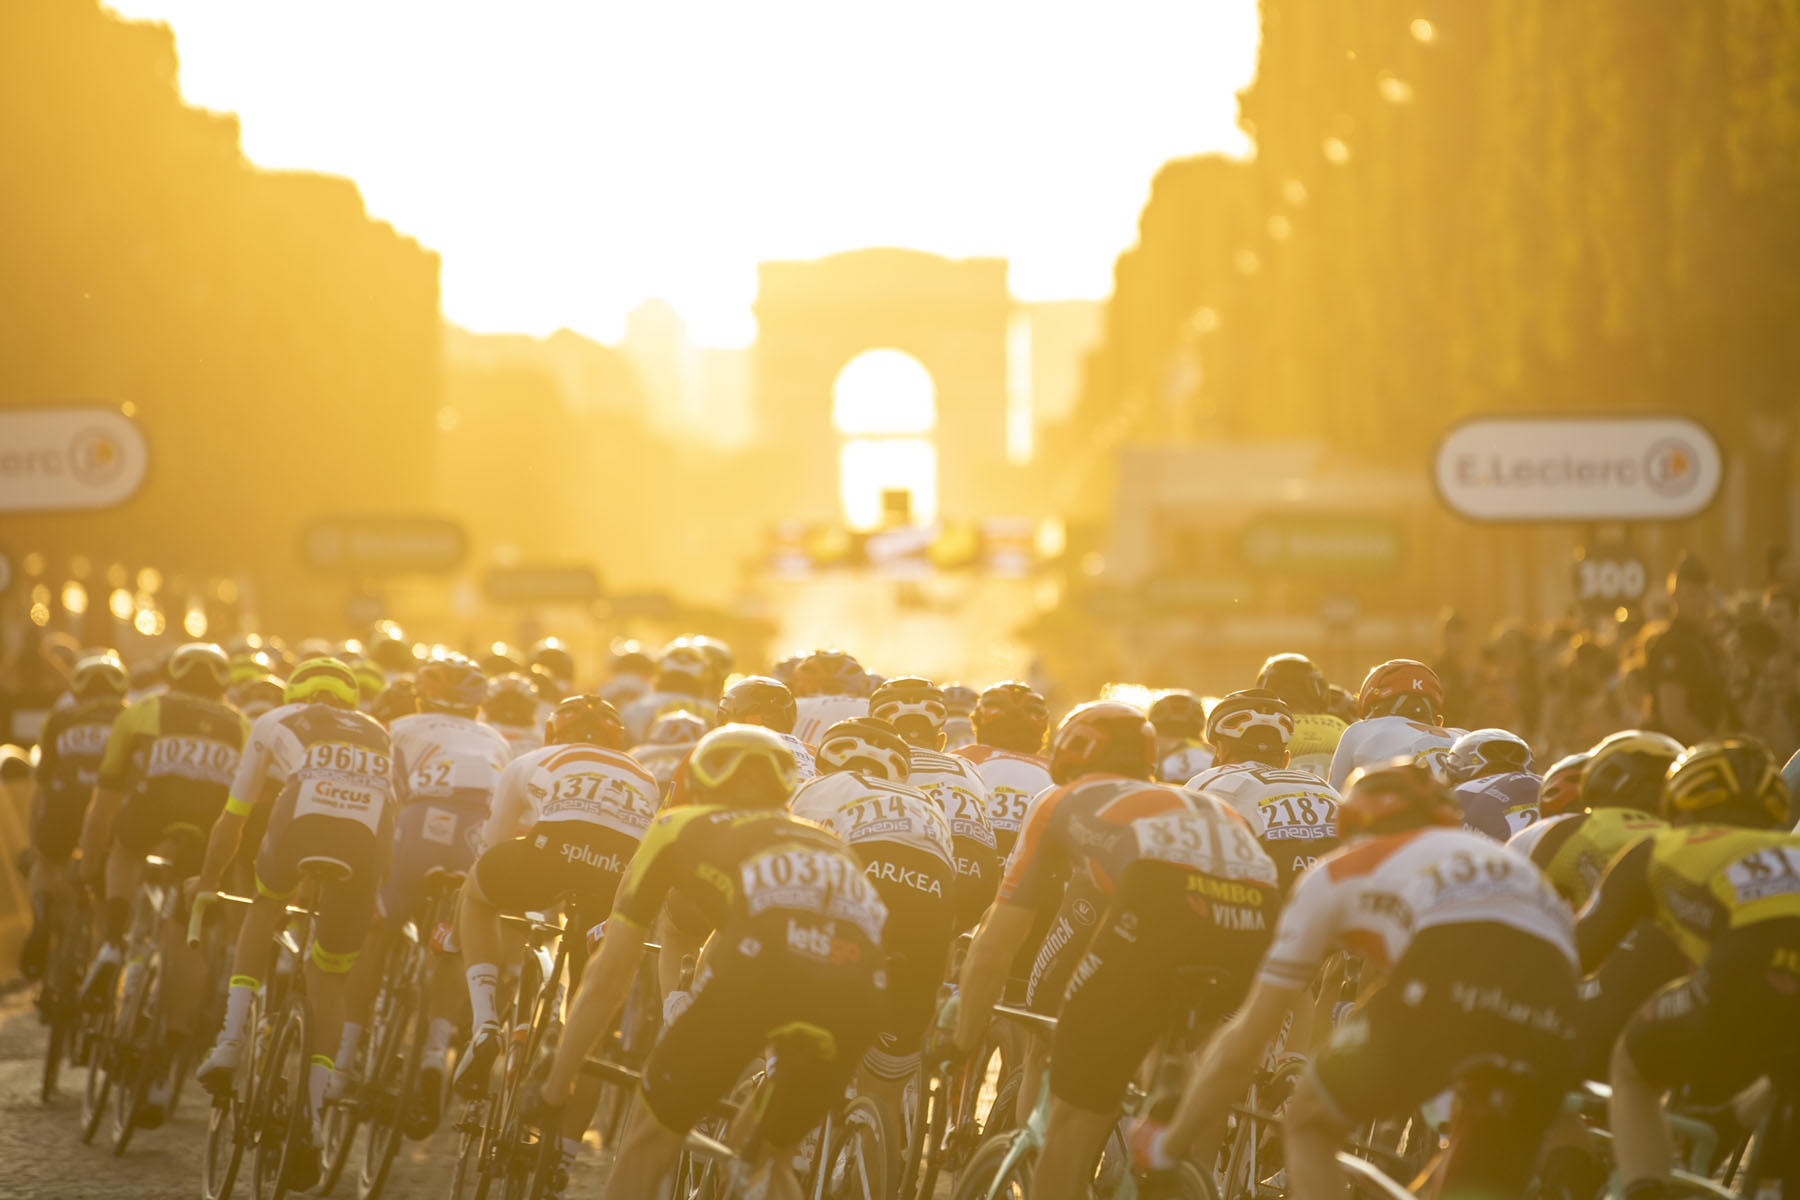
(815, 714)
(1185, 761)
(1294, 813)
(1373, 897)
(958, 791)
(336, 762)
(640, 715)
(660, 760)
(860, 808)
(520, 739)
(443, 757)
(1012, 780)
(803, 755)
(573, 782)
(1383, 739)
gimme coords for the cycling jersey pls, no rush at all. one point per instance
(520, 739)
(1182, 759)
(662, 762)
(173, 756)
(804, 763)
(959, 732)
(330, 772)
(573, 782)
(70, 746)
(1294, 813)
(903, 840)
(1499, 805)
(815, 714)
(1383, 739)
(1573, 850)
(447, 767)
(642, 713)
(1697, 882)
(1372, 897)
(1012, 780)
(1315, 740)
(956, 788)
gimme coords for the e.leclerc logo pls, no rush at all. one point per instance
(1670, 467)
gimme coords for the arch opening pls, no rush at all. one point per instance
(884, 407)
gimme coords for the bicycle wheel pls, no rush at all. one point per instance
(228, 1127)
(139, 1053)
(282, 1103)
(468, 1180)
(392, 1074)
(995, 1173)
(97, 1088)
(924, 1153)
(856, 1164)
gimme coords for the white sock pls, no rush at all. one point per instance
(318, 1074)
(237, 1007)
(349, 1041)
(437, 1041)
(484, 980)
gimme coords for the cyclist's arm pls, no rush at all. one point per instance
(115, 772)
(1226, 1069)
(511, 803)
(1622, 899)
(228, 831)
(984, 971)
(677, 944)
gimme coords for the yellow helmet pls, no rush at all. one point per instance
(1626, 770)
(743, 766)
(1727, 781)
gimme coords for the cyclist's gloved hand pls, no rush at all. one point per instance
(676, 1003)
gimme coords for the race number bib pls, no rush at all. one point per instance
(1764, 874)
(1006, 808)
(1189, 839)
(1297, 814)
(203, 759)
(601, 799)
(813, 880)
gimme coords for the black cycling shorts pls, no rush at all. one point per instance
(1644, 961)
(1461, 994)
(753, 989)
(1729, 1022)
(1138, 978)
(346, 907)
(916, 938)
(556, 859)
(56, 826)
(147, 820)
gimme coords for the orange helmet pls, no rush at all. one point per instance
(1399, 685)
(1103, 736)
(1560, 791)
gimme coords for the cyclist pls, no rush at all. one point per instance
(672, 737)
(163, 780)
(446, 766)
(550, 656)
(566, 819)
(1493, 784)
(1474, 958)
(1179, 718)
(684, 683)
(829, 686)
(371, 681)
(915, 708)
(1302, 687)
(400, 698)
(1724, 884)
(388, 649)
(512, 707)
(632, 673)
(1293, 813)
(1560, 790)
(326, 773)
(760, 700)
(903, 840)
(1009, 721)
(1172, 880)
(959, 726)
(794, 953)
(70, 746)
(1399, 713)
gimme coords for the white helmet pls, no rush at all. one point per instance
(867, 744)
(1486, 752)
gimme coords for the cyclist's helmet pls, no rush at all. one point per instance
(452, 685)
(369, 678)
(1727, 781)
(1627, 769)
(719, 658)
(314, 647)
(499, 659)
(99, 676)
(1560, 790)
(683, 660)
(828, 673)
(1299, 683)
(960, 699)
(586, 719)
(200, 668)
(629, 658)
(1401, 687)
(511, 700)
(759, 700)
(254, 697)
(1340, 703)
(1103, 737)
(400, 698)
(865, 744)
(678, 728)
(914, 706)
(1482, 752)
(1011, 716)
(741, 766)
(549, 689)
(786, 669)
(1253, 724)
(322, 681)
(554, 657)
(388, 648)
(1394, 797)
(1178, 714)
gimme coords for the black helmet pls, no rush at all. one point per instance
(758, 700)
(1178, 714)
(1727, 781)
(1299, 683)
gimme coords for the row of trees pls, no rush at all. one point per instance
(1460, 208)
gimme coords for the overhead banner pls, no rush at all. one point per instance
(382, 544)
(69, 459)
(1645, 468)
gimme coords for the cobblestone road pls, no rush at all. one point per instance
(42, 1156)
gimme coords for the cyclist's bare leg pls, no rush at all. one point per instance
(646, 1156)
(478, 933)
(364, 980)
(1640, 1136)
(123, 870)
(771, 1176)
(1312, 1135)
(1072, 1143)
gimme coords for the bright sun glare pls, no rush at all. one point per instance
(570, 159)
(884, 402)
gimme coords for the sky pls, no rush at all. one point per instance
(570, 160)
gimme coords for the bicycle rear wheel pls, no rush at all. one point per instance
(856, 1163)
(924, 1153)
(228, 1128)
(138, 1050)
(282, 1101)
(392, 1074)
(995, 1173)
(97, 1087)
